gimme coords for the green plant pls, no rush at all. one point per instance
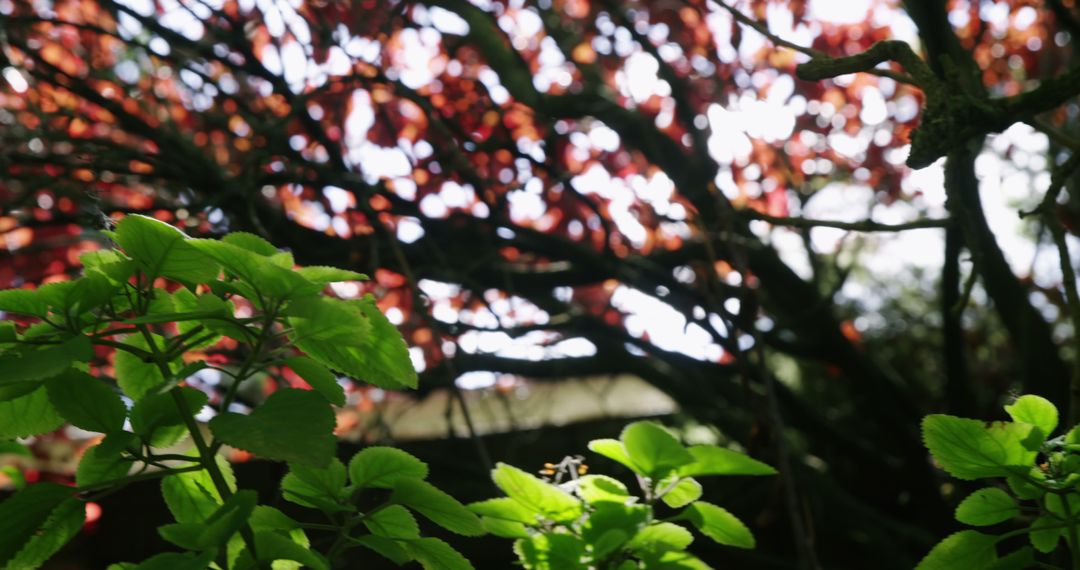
(1036, 490)
(156, 302)
(579, 521)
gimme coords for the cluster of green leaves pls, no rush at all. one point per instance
(594, 521)
(155, 303)
(1036, 494)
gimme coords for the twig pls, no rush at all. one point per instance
(860, 226)
(1068, 274)
(763, 29)
(1057, 184)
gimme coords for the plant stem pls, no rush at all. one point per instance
(127, 480)
(1068, 274)
(207, 456)
(1073, 540)
(209, 461)
(345, 529)
(246, 368)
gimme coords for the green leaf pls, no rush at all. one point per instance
(216, 530)
(674, 561)
(394, 521)
(602, 489)
(714, 460)
(105, 461)
(319, 488)
(504, 528)
(1023, 488)
(158, 421)
(1021, 559)
(192, 496)
(719, 525)
(613, 449)
(45, 362)
(326, 275)
(608, 517)
(1045, 532)
(177, 561)
(683, 493)
(437, 506)
(971, 449)
(525, 488)
(381, 357)
(113, 265)
(9, 392)
(318, 377)
(382, 467)
(162, 250)
(27, 512)
(267, 278)
(660, 537)
(505, 508)
(8, 332)
(434, 554)
(135, 376)
(1056, 505)
(14, 448)
(62, 525)
(653, 448)
(1035, 410)
(213, 314)
(80, 295)
(86, 402)
(269, 518)
(986, 507)
(551, 552)
(273, 546)
(385, 547)
(327, 320)
(607, 542)
(23, 302)
(31, 414)
(250, 242)
(291, 425)
(158, 318)
(284, 260)
(965, 549)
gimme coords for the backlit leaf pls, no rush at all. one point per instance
(970, 449)
(986, 507)
(714, 460)
(162, 250)
(719, 525)
(661, 537)
(525, 488)
(1035, 410)
(601, 489)
(551, 552)
(434, 554)
(683, 493)
(653, 448)
(965, 549)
